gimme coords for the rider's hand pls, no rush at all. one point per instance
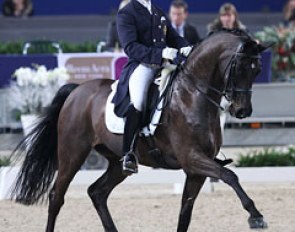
(185, 51)
(169, 53)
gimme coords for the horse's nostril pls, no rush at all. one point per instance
(241, 113)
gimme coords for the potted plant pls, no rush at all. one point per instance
(4, 162)
(267, 165)
(268, 157)
(283, 51)
(34, 89)
(6, 179)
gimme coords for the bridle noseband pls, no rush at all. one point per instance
(230, 76)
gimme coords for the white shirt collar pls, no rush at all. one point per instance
(179, 29)
(146, 4)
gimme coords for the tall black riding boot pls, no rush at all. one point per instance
(132, 127)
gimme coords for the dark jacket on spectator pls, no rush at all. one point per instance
(217, 26)
(191, 34)
(112, 36)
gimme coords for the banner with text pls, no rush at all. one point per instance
(87, 66)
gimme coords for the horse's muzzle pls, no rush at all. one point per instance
(240, 113)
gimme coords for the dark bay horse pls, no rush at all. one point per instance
(189, 137)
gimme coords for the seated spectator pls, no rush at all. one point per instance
(288, 9)
(291, 22)
(17, 8)
(289, 13)
(113, 43)
(178, 15)
(228, 18)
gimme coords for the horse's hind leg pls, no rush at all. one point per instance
(191, 190)
(70, 161)
(101, 189)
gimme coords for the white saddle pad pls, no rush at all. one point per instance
(116, 125)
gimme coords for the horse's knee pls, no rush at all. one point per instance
(228, 176)
(94, 193)
(91, 192)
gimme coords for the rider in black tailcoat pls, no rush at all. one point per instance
(147, 38)
(143, 37)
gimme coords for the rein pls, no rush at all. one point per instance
(167, 94)
(229, 75)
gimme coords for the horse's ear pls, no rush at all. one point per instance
(264, 46)
(248, 46)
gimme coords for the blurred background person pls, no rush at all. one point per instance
(228, 18)
(112, 40)
(178, 16)
(288, 9)
(17, 8)
(291, 21)
(289, 13)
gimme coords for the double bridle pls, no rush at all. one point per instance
(229, 75)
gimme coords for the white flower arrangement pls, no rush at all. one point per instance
(34, 88)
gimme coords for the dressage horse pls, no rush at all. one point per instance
(189, 135)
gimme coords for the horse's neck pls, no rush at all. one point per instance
(203, 69)
(205, 64)
(194, 106)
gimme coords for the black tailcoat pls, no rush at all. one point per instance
(143, 36)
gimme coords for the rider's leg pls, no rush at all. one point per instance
(132, 126)
(139, 84)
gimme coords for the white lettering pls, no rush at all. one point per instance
(80, 69)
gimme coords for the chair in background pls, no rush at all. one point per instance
(41, 47)
(101, 47)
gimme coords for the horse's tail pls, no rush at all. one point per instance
(40, 161)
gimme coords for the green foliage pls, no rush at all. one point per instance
(78, 48)
(268, 158)
(283, 62)
(11, 48)
(4, 162)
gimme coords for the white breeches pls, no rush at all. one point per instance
(139, 84)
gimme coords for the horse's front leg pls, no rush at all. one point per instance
(191, 190)
(200, 164)
(255, 220)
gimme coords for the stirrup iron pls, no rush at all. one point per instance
(129, 163)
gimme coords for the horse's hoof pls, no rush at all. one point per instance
(257, 223)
